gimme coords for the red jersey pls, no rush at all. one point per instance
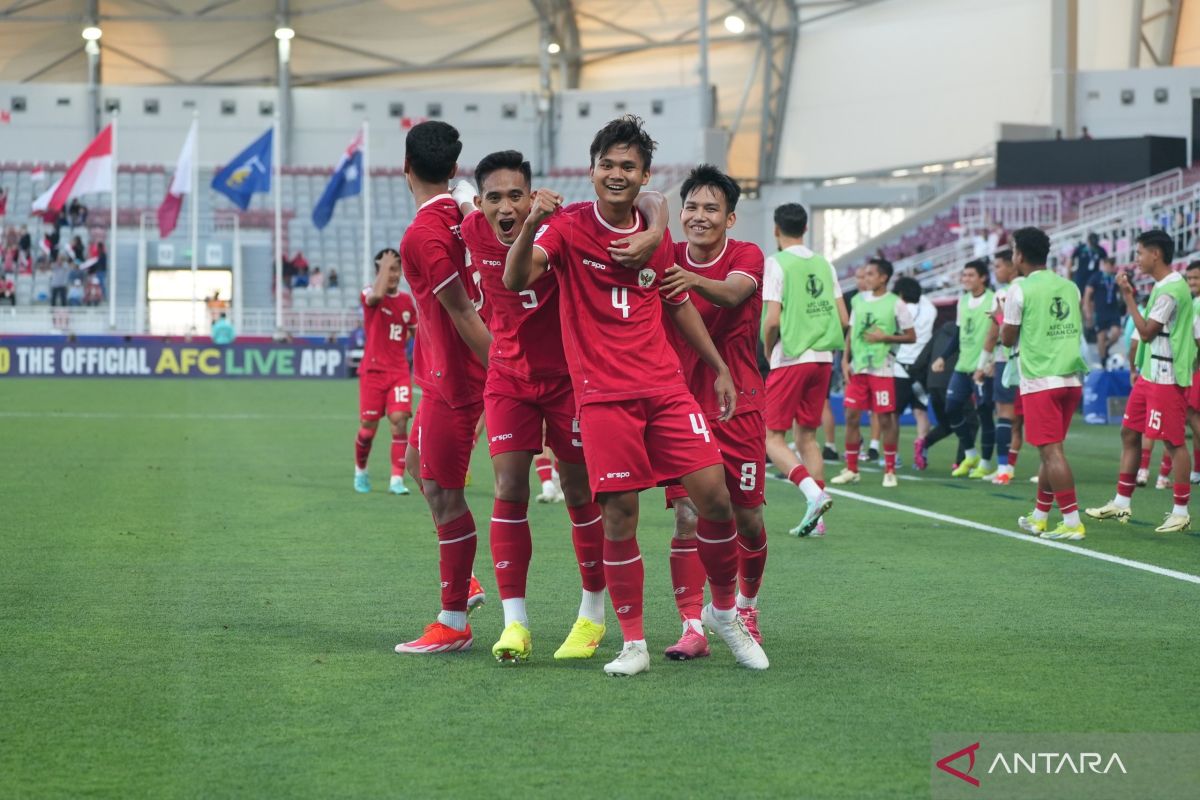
(387, 325)
(611, 315)
(433, 257)
(526, 334)
(733, 330)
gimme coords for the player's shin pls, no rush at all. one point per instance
(362, 446)
(456, 555)
(717, 544)
(512, 549)
(687, 580)
(752, 561)
(625, 575)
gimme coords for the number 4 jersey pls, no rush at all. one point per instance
(387, 326)
(611, 315)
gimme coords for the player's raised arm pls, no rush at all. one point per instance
(635, 250)
(464, 193)
(525, 263)
(687, 319)
(1147, 328)
(729, 293)
(387, 261)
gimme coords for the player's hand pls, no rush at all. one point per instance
(874, 336)
(1124, 285)
(990, 370)
(677, 280)
(464, 192)
(978, 376)
(635, 250)
(847, 373)
(388, 260)
(938, 365)
(545, 203)
(726, 395)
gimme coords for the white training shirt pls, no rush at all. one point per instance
(773, 291)
(924, 314)
(904, 321)
(1012, 316)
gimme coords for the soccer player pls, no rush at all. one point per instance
(1192, 275)
(723, 277)
(389, 319)
(1103, 306)
(1157, 405)
(976, 306)
(528, 399)
(912, 362)
(1043, 310)
(805, 323)
(640, 425)
(449, 361)
(1005, 375)
(878, 319)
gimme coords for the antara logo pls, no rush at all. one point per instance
(1033, 764)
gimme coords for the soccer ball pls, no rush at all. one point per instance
(1116, 361)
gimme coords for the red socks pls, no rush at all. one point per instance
(544, 466)
(512, 547)
(798, 474)
(1127, 482)
(399, 445)
(625, 575)
(717, 543)
(752, 560)
(889, 460)
(362, 446)
(1183, 493)
(852, 455)
(687, 578)
(1164, 467)
(1045, 501)
(1145, 459)
(456, 555)
(1066, 501)
(1013, 452)
(587, 534)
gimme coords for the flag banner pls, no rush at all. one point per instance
(347, 181)
(181, 184)
(249, 172)
(90, 174)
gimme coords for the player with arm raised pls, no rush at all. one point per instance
(529, 391)
(449, 365)
(384, 378)
(640, 424)
(724, 280)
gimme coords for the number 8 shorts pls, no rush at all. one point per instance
(742, 441)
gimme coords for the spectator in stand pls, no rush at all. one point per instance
(333, 279)
(93, 292)
(77, 213)
(8, 289)
(300, 265)
(98, 269)
(1103, 307)
(3, 202)
(1085, 261)
(222, 331)
(25, 244)
(316, 280)
(75, 293)
(77, 249)
(60, 278)
(1084, 135)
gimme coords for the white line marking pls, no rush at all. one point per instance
(966, 523)
(167, 415)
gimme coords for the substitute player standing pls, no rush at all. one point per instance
(529, 392)
(723, 277)
(384, 380)
(1157, 406)
(878, 319)
(451, 351)
(640, 424)
(1043, 311)
(805, 323)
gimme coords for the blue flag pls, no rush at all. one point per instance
(247, 173)
(345, 182)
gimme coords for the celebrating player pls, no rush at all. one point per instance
(805, 322)
(389, 318)
(529, 392)
(1157, 406)
(723, 278)
(1043, 310)
(878, 319)
(640, 425)
(451, 351)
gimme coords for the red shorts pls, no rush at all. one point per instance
(1157, 411)
(871, 393)
(743, 445)
(632, 445)
(797, 393)
(1193, 392)
(1018, 404)
(1048, 414)
(445, 437)
(383, 393)
(516, 409)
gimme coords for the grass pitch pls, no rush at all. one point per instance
(196, 604)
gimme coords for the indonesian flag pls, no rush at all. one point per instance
(181, 184)
(91, 173)
(38, 175)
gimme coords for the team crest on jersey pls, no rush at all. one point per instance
(814, 286)
(1058, 308)
(405, 316)
(646, 278)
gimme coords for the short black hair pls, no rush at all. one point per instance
(791, 219)
(980, 265)
(503, 159)
(627, 130)
(1093, 238)
(382, 253)
(1192, 265)
(1004, 255)
(1033, 244)
(908, 287)
(432, 149)
(1157, 237)
(883, 265)
(713, 178)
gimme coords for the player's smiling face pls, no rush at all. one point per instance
(505, 203)
(704, 217)
(619, 174)
(971, 281)
(1193, 281)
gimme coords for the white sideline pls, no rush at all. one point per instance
(165, 415)
(966, 523)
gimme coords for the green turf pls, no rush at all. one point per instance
(196, 604)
